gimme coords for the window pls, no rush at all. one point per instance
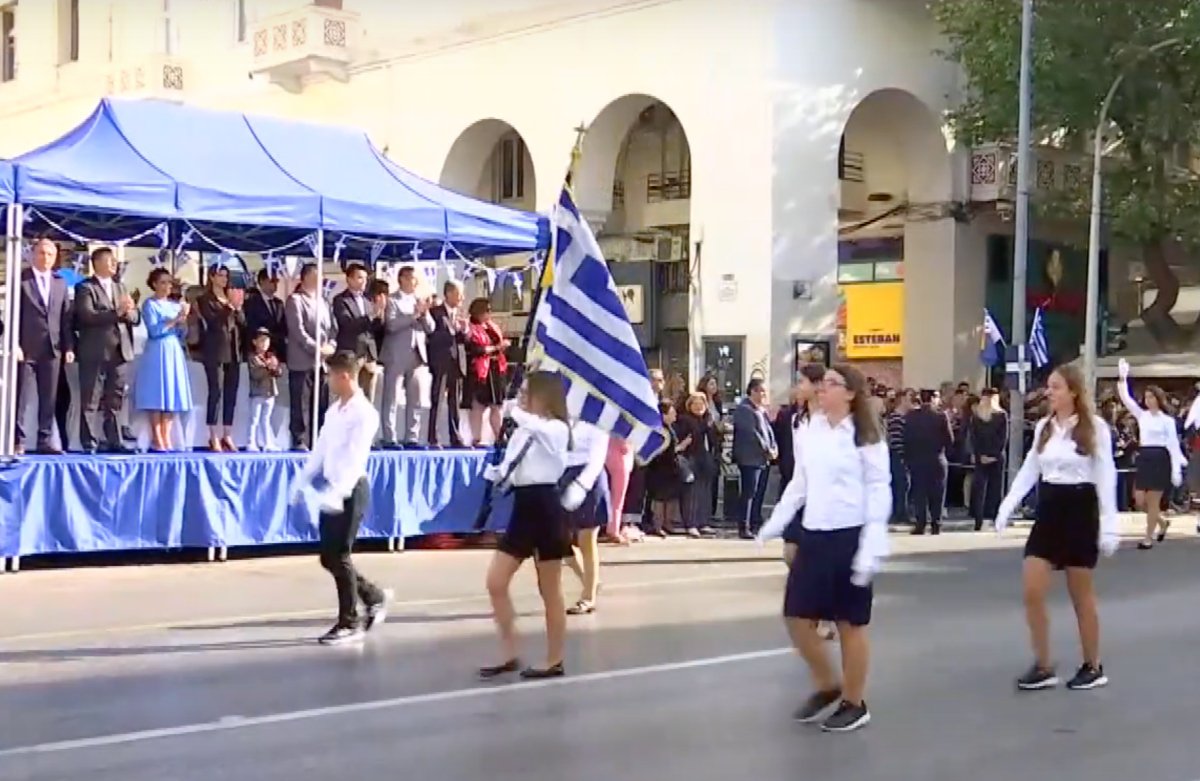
(870, 260)
(849, 273)
(510, 169)
(68, 31)
(8, 41)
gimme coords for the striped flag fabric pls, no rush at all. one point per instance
(583, 333)
(1039, 350)
(991, 351)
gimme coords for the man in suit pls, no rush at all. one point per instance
(927, 437)
(447, 360)
(309, 329)
(754, 448)
(105, 316)
(264, 310)
(358, 323)
(405, 324)
(45, 343)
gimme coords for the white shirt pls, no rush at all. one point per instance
(589, 450)
(42, 278)
(841, 486)
(1059, 463)
(343, 447)
(1155, 429)
(545, 459)
(106, 284)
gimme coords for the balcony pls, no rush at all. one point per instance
(309, 43)
(852, 180)
(994, 172)
(160, 77)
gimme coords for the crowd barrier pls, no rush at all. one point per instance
(78, 503)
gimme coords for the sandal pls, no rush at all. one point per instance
(582, 608)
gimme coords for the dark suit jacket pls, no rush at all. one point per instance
(926, 437)
(221, 335)
(265, 312)
(356, 331)
(46, 329)
(752, 437)
(104, 335)
(445, 344)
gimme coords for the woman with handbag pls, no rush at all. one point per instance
(667, 475)
(702, 453)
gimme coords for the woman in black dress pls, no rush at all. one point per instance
(665, 480)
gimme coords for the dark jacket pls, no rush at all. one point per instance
(357, 329)
(47, 330)
(785, 419)
(104, 333)
(988, 437)
(265, 312)
(926, 436)
(221, 330)
(445, 343)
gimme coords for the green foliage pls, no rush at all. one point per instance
(1080, 48)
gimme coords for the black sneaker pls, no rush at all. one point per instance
(1037, 679)
(377, 613)
(847, 718)
(816, 704)
(341, 634)
(1088, 677)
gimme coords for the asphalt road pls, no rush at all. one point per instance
(682, 675)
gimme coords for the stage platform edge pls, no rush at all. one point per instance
(216, 501)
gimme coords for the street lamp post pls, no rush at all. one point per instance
(1093, 267)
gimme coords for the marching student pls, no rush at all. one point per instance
(587, 500)
(843, 482)
(534, 462)
(1071, 465)
(335, 476)
(1159, 460)
(788, 515)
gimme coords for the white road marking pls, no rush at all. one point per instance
(229, 723)
(223, 621)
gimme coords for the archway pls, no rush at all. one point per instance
(490, 161)
(895, 181)
(634, 185)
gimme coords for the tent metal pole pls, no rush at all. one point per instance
(316, 395)
(14, 227)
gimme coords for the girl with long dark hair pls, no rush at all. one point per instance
(534, 461)
(1071, 465)
(843, 482)
(1159, 460)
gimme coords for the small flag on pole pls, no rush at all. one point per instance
(991, 349)
(1039, 349)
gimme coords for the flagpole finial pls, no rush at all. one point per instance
(576, 151)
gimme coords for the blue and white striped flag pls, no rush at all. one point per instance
(583, 333)
(1039, 350)
(991, 350)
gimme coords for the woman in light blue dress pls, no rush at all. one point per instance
(163, 387)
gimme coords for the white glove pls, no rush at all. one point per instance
(1123, 369)
(862, 577)
(491, 473)
(331, 502)
(1176, 477)
(573, 497)
(760, 541)
(1109, 543)
(1002, 516)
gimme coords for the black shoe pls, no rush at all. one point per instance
(1088, 677)
(511, 666)
(847, 718)
(978, 526)
(377, 613)
(918, 530)
(537, 674)
(935, 529)
(342, 634)
(1037, 679)
(816, 704)
(1162, 532)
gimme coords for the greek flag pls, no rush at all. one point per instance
(991, 351)
(583, 333)
(1039, 350)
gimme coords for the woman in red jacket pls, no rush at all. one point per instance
(487, 369)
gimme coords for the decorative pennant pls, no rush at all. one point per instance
(327, 288)
(491, 275)
(431, 274)
(161, 257)
(274, 266)
(293, 266)
(186, 239)
(26, 251)
(310, 241)
(163, 231)
(518, 280)
(221, 261)
(377, 248)
(81, 262)
(416, 251)
(338, 246)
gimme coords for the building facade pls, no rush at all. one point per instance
(772, 179)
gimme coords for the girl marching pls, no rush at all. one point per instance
(1071, 465)
(1160, 459)
(533, 465)
(843, 482)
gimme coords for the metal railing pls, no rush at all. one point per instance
(669, 186)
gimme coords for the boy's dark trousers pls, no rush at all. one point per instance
(338, 532)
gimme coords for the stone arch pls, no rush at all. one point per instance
(491, 161)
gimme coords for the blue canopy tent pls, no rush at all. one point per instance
(228, 181)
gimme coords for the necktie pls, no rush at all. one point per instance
(44, 289)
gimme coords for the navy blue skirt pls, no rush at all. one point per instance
(818, 584)
(593, 513)
(795, 528)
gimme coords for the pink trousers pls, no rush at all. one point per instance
(618, 465)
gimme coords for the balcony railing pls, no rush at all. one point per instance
(158, 76)
(309, 41)
(669, 186)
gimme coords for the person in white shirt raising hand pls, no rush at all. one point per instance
(1160, 459)
(843, 481)
(1071, 465)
